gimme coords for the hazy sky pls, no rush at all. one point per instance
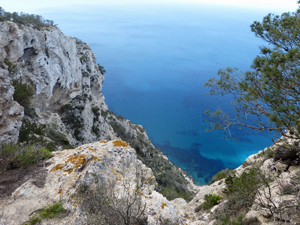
(33, 6)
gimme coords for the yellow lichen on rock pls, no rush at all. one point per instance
(77, 160)
(163, 205)
(57, 167)
(104, 142)
(92, 149)
(120, 143)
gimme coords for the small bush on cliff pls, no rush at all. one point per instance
(72, 115)
(53, 211)
(15, 156)
(32, 133)
(106, 206)
(222, 174)
(210, 201)
(241, 191)
(23, 93)
(12, 68)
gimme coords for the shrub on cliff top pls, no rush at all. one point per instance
(16, 156)
(24, 18)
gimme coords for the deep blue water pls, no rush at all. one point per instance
(157, 61)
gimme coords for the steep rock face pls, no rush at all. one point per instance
(11, 113)
(57, 69)
(67, 100)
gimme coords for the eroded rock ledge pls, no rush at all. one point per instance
(69, 169)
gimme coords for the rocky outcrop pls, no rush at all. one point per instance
(99, 162)
(58, 69)
(11, 113)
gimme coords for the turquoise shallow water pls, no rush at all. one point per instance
(157, 61)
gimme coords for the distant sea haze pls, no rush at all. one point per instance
(157, 61)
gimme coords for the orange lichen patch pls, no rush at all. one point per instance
(79, 148)
(120, 143)
(91, 149)
(104, 142)
(57, 167)
(96, 158)
(163, 205)
(60, 192)
(71, 170)
(141, 193)
(77, 160)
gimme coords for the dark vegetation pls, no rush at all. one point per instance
(240, 194)
(222, 174)
(18, 156)
(25, 18)
(72, 115)
(210, 201)
(265, 98)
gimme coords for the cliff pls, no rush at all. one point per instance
(66, 107)
(50, 87)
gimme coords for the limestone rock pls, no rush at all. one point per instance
(11, 113)
(68, 169)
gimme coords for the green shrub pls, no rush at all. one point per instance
(222, 174)
(22, 94)
(105, 113)
(12, 68)
(101, 68)
(72, 116)
(16, 156)
(25, 18)
(95, 130)
(241, 220)
(53, 211)
(172, 193)
(267, 154)
(96, 111)
(286, 188)
(240, 191)
(210, 201)
(227, 221)
(120, 130)
(31, 155)
(57, 136)
(32, 133)
(84, 59)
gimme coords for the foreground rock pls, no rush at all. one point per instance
(85, 165)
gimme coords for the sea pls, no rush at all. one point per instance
(157, 59)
